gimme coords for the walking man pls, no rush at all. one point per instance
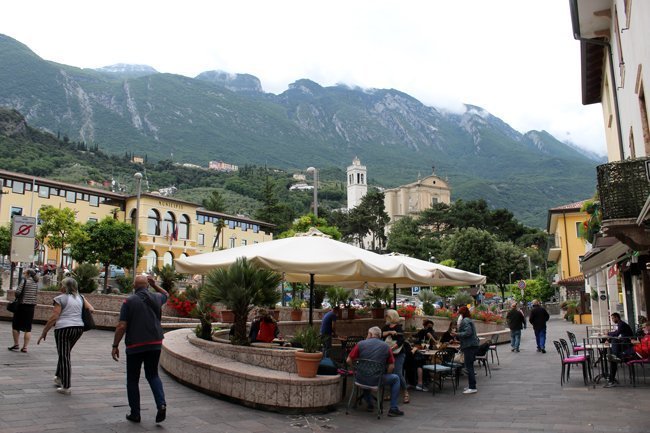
(328, 330)
(538, 318)
(140, 321)
(516, 322)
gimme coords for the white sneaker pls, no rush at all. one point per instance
(470, 391)
(64, 391)
(57, 382)
(421, 388)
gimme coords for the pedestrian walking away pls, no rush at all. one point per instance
(516, 322)
(68, 324)
(140, 322)
(538, 318)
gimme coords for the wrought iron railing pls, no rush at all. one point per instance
(623, 188)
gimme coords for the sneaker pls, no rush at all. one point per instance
(421, 388)
(610, 385)
(613, 358)
(64, 391)
(161, 414)
(133, 418)
(517, 350)
(393, 411)
(543, 350)
(470, 391)
(539, 350)
(513, 349)
(57, 382)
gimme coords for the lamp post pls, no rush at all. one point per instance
(138, 183)
(510, 277)
(315, 171)
(530, 268)
(479, 268)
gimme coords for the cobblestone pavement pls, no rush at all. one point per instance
(523, 395)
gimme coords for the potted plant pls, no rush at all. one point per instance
(296, 305)
(377, 296)
(340, 296)
(308, 358)
(241, 287)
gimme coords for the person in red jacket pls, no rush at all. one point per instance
(268, 329)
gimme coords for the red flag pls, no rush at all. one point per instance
(175, 234)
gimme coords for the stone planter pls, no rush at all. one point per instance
(307, 363)
(378, 313)
(275, 314)
(346, 314)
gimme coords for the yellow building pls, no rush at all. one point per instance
(168, 228)
(568, 247)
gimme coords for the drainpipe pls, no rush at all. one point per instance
(566, 242)
(575, 22)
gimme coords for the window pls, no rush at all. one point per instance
(232, 243)
(244, 242)
(80, 196)
(43, 192)
(232, 224)
(153, 223)
(18, 188)
(28, 187)
(169, 223)
(578, 225)
(15, 211)
(94, 200)
(8, 183)
(256, 228)
(200, 218)
(54, 191)
(151, 260)
(184, 227)
(92, 220)
(168, 259)
(244, 227)
(71, 197)
(133, 220)
(61, 193)
(200, 239)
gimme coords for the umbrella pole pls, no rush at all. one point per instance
(311, 299)
(395, 296)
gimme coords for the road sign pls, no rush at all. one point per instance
(22, 239)
(24, 227)
(521, 284)
(415, 290)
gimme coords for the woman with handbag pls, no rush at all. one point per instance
(24, 315)
(68, 326)
(469, 343)
(393, 334)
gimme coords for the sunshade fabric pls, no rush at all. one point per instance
(328, 260)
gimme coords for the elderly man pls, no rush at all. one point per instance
(516, 322)
(375, 349)
(538, 318)
(140, 321)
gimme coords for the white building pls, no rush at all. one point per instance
(357, 183)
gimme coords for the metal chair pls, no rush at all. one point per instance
(482, 358)
(344, 371)
(567, 360)
(494, 339)
(441, 368)
(368, 376)
(575, 347)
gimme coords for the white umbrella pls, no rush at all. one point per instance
(313, 258)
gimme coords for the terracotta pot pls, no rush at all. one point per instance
(378, 313)
(275, 314)
(227, 316)
(307, 363)
(347, 313)
(296, 315)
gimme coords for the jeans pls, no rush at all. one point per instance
(390, 381)
(399, 369)
(134, 363)
(327, 344)
(515, 338)
(469, 354)
(540, 338)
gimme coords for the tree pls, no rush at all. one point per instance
(109, 242)
(241, 287)
(404, 237)
(305, 222)
(5, 240)
(470, 247)
(215, 202)
(59, 229)
(219, 225)
(369, 218)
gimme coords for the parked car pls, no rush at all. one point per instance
(113, 272)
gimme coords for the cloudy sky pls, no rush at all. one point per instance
(515, 58)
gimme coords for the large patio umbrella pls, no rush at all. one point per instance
(315, 258)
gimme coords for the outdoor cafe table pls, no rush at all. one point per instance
(598, 343)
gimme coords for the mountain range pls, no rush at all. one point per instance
(223, 116)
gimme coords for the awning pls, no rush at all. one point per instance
(606, 251)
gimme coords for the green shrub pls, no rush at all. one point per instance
(50, 288)
(86, 276)
(124, 283)
(462, 298)
(428, 308)
(309, 339)
(168, 277)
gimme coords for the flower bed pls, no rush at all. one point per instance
(485, 316)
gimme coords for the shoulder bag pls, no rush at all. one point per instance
(13, 305)
(86, 316)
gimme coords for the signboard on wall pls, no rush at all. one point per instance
(22, 238)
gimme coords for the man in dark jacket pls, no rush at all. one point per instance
(516, 322)
(538, 318)
(140, 321)
(620, 348)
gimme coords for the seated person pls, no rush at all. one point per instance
(448, 336)
(426, 335)
(642, 348)
(268, 329)
(620, 348)
(255, 325)
(375, 349)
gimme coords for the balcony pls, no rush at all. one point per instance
(623, 188)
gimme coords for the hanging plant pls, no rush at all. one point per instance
(588, 229)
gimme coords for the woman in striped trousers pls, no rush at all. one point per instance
(68, 327)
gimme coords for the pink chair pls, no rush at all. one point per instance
(568, 361)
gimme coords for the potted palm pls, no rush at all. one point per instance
(308, 358)
(241, 287)
(296, 305)
(377, 296)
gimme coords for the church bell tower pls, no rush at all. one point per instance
(357, 183)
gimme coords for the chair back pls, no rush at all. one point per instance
(558, 347)
(565, 347)
(572, 339)
(494, 339)
(369, 372)
(348, 345)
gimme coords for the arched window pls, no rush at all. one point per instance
(153, 223)
(184, 227)
(169, 224)
(151, 260)
(168, 258)
(133, 221)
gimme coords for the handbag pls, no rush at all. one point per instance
(393, 345)
(87, 316)
(13, 305)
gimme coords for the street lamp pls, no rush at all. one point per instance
(510, 277)
(315, 171)
(530, 268)
(138, 183)
(479, 268)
